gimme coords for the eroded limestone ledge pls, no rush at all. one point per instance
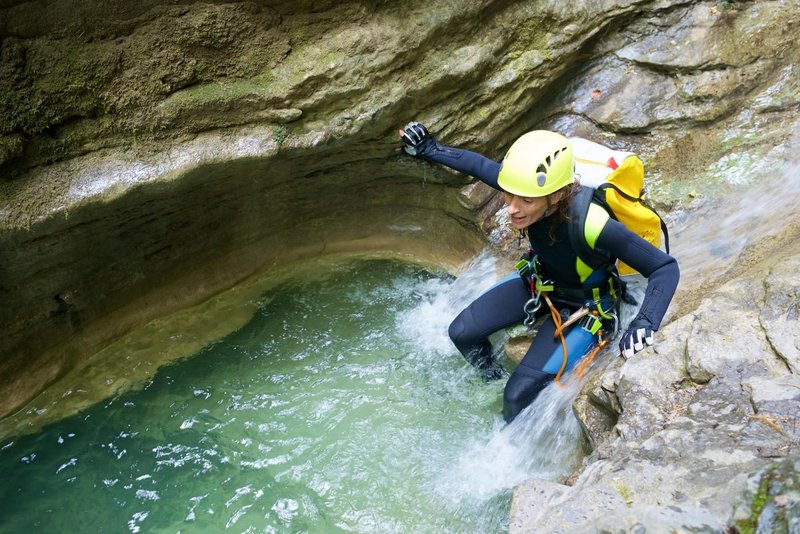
(120, 241)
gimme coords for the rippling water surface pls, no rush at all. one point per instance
(340, 407)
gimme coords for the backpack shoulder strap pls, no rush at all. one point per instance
(587, 219)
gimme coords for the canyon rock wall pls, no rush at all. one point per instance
(155, 154)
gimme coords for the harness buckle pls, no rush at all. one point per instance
(546, 285)
(592, 323)
(528, 268)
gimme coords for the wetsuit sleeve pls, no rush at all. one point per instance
(660, 269)
(481, 167)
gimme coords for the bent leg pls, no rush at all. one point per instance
(522, 389)
(499, 307)
(541, 364)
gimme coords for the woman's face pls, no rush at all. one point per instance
(524, 211)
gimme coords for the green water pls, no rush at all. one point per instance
(340, 407)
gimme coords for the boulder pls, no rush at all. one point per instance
(703, 421)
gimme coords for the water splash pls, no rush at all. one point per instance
(440, 302)
(542, 442)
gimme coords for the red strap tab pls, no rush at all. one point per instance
(612, 163)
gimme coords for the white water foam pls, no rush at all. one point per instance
(542, 442)
(441, 301)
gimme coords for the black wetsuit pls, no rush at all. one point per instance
(502, 305)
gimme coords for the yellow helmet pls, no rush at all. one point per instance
(537, 164)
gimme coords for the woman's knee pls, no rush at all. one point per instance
(463, 332)
(522, 389)
(497, 308)
(456, 329)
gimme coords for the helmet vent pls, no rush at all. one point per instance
(541, 168)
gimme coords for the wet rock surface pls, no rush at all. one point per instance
(702, 421)
(153, 155)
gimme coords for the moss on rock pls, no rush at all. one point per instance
(774, 505)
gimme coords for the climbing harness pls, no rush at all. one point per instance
(528, 268)
(590, 320)
(590, 316)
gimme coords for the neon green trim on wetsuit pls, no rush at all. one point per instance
(583, 270)
(596, 219)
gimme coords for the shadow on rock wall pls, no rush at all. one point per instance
(154, 155)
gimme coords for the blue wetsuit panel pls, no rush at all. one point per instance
(579, 342)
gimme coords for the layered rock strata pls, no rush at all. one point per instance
(154, 155)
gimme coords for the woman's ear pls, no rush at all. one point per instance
(556, 196)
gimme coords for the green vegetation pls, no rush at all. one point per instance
(625, 492)
(748, 526)
(279, 134)
(10, 147)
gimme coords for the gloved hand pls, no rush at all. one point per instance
(638, 335)
(416, 138)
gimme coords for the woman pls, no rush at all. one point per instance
(538, 184)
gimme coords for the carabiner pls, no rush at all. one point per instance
(614, 330)
(530, 308)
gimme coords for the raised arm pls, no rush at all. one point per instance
(421, 144)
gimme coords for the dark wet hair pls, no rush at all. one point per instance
(561, 208)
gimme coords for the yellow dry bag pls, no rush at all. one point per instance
(618, 178)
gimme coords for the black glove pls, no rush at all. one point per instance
(416, 138)
(638, 335)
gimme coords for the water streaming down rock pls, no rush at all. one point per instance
(544, 441)
(709, 241)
